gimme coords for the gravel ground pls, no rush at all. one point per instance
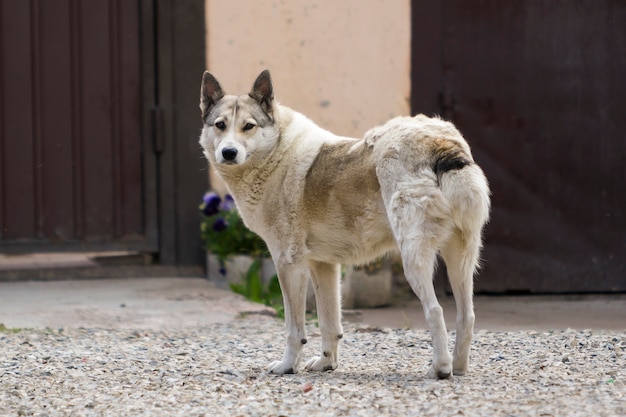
(219, 370)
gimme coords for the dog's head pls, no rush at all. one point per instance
(237, 129)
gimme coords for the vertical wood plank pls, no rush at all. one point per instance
(116, 133)
(3, 103)
(96, 121)
(148, 83)
(129, 111)
(56, 119)
(35, 19)
(164, 18)
(76, 71)
(190, 175)
(17, 138)
(426, 56)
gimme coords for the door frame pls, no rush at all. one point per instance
(174, 54)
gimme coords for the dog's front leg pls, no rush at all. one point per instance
(293, 280)
(326, 283)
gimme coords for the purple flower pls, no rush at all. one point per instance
(228, 203)
(211, 204)
(220, 224)
(222, 271)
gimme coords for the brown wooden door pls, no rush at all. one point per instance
(538, 89)
(71, 148)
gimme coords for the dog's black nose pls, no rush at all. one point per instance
(229, 154)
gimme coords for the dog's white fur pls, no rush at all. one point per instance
(319, 200)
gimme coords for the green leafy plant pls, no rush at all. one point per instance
(223, 231)
(253, 289)
(225, 235)
(4, 329)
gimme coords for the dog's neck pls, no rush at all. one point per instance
(248, 183)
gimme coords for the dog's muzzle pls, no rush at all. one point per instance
(229, 154)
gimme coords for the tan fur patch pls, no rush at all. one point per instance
(341, 189)
(337, 176)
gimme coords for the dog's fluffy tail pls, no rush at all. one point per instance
(460, 179)
(441, 150)
(467, 191)
(448, 156)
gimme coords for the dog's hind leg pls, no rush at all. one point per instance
(419, 260)
(293, 280)
(420, 220)
(460, 254)
(326, 283)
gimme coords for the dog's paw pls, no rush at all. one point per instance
(459, 366)
(320, 364)
(460, 371)
(281, 368)
(441, 372)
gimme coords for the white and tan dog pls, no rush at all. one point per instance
(320, 200)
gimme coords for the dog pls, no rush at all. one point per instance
(321, 200)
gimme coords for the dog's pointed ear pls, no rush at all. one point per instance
(210, 93)
(263, 92)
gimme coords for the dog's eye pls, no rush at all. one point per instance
(220, 125)
(248, 126)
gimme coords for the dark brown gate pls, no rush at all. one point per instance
(538, 89)
(71, 156)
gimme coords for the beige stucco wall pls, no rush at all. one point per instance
(345, 64)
